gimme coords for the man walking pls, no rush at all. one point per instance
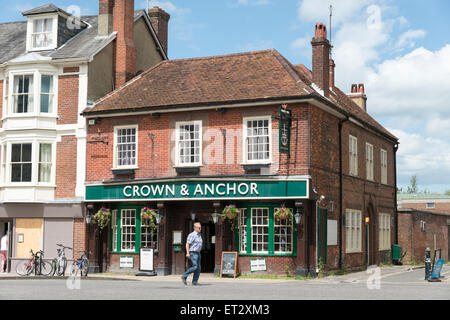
(193, 247)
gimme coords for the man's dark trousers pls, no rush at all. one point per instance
(196, 267)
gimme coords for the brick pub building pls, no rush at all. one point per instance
(189, 137)
(51, 65)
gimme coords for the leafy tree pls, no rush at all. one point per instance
(413, 188)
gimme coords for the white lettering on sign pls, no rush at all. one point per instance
(202, 190)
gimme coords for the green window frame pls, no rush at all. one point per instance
(116, 230)
(248, 246)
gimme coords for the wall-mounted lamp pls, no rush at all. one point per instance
(88, 217)
(192, 215)
(298, 214)
(158, 217)
(215, 216)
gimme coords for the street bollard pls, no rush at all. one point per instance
(427, 263)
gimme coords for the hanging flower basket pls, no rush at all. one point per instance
(102, 218)
(283, 213)
(230, 213)
(148, 219)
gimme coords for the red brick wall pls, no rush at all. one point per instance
(68, 99)
(414, 240)
(443, 206)
(66, 167)
(275, 265)
(157, 161)
(79, 237)
(358, 193)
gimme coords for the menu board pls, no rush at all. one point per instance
(228, 265)
(146, 259)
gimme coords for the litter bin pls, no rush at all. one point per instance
(396, 252)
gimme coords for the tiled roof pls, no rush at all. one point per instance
(42, 9)
(226, 79)
(83, 45)
(219, 79)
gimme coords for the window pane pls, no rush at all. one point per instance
(16, 152)
(26, 152)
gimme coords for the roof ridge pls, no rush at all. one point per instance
(223, 55)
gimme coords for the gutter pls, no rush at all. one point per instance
(395, 196)
(340, 192)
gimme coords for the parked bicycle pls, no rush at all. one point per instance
(60, 262)
(81, 265)
(36, 263)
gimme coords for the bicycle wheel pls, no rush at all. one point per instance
(62, 266)
(24, 268)
(74, 269)
(46, 268)
(85, 268)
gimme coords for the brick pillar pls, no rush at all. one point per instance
(162, 268)
(125, 62)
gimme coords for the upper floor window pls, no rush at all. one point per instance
(257, 140)
(189, 143)
(42, 35)
(383, 161)
(431, 205)
(21, 164)
(125, 146)
(353, 153)
(32, 94)
(369, 161)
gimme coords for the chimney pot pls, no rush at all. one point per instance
(321, 31)
(361, 88)
(354, 88)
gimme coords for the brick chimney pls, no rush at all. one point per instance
(358, 95)
(105, 17)
(160, 22)
(321, 59)
(125, 51)
(332, 67)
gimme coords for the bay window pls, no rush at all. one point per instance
(21, 164)
(45, 162)
(32, 94)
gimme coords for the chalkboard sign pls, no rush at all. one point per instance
(228, 265)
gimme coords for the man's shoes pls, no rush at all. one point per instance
(195, 284)
(184, 281)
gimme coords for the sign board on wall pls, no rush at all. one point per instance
(332, 239)
(126, 262)
(285, 130)
(201, 190)
(258, 264)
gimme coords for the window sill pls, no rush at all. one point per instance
(351, 252)
(188, 169)
(124, 170)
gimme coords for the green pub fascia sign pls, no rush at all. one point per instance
(200, 190)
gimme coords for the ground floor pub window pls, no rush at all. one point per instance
(128, 231)
(258, 232)
(149, 239)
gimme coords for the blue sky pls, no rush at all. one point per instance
(399, 49)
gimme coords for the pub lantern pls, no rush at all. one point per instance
(299, 213)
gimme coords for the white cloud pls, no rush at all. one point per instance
(407, 38)
(428, 158)
(319, 10)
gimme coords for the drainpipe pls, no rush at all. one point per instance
(395, 196)
(340, 191)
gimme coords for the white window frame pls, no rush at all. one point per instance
(122, 226)
(383, 165)
(369, 162)
(384, 231)
(353, 231)
(177, 143)
(155, 234)
(353, 155)
(114, 229)
(242, 227)
(8, 112)
(431, 205)
(245, 137)
(260, 225)
(115, 153)
(35, 149)
(30, 32)
(276, 225)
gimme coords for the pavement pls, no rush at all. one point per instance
(387, 283)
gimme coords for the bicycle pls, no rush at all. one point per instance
(60, 263)
(36, 264)
(81, 264)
